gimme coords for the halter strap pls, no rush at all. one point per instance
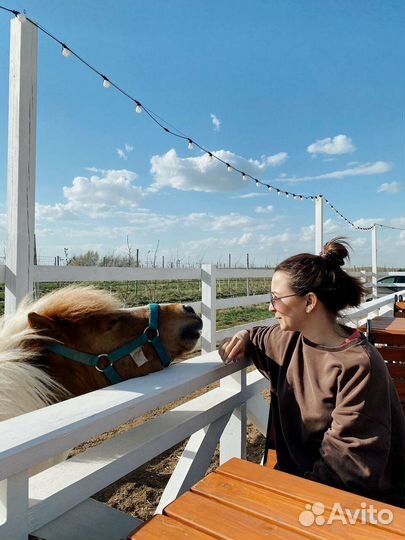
(96, 360)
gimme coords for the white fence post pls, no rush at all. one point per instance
(318, 225)
(233, 439)
(374, 261)
(208, 308)
(14, 507)
(21, 163)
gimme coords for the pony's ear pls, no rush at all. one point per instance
(39, 322)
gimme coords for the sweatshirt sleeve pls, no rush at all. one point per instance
(355, 449)
(266, 346)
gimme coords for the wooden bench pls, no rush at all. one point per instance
(388, 336)
(399, 306)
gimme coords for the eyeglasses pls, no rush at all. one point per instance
(274, 298)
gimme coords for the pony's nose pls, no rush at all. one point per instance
(189, 309)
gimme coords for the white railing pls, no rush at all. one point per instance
(218, 415)
(208, 274)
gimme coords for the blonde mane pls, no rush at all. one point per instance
(18, 377)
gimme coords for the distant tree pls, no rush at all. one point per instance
(90, 258)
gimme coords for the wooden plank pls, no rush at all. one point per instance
(226, 523)
(238, 301)
(41, 434)
(238, 273)
(279, 508)
(91, 520)
(21, 163)
(165, 528)
(110, 273)
(63, 486)
(304, 490)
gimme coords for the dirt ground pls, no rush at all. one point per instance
(139, 492)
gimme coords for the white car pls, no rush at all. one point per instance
(387, 285)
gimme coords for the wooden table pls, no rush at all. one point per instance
(394, 327)
(245, 501)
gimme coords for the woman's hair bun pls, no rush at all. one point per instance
(335, 252)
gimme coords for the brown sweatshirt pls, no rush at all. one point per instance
(338, 418)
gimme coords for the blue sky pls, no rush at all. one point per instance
(305, 95)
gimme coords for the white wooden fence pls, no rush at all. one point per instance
(55, 500)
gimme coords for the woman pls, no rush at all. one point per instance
(337, 416)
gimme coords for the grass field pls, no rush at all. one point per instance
(143, 292)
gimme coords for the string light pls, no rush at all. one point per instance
(66, 51)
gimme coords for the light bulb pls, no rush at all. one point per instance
(106, 83)
(229, 168)
(21, 17)
(244, 177)
(66, 52)
(270, 188)
(190, 144)
(278, 192)
(210, 156)
(138, 108)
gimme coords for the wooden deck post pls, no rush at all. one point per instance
(374, 275)
(21, 163)
(318, 225)
(208, 307)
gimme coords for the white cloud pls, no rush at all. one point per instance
(365, 169)
(98, 196)
(204, 174)
(367, 222)
(250, 195)
(210, 222)
(340, 144)
(48, 212)
(216, 122)
(277, 159)
(329, 228)
(112, 191)
(391, 187)
(264, 209)
(123, 152)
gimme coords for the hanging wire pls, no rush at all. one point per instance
(172, 130)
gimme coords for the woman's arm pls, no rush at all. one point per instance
(355, 449)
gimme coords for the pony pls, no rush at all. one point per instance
(78, 339)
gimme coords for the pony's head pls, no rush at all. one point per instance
(85, 339)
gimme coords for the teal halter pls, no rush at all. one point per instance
(150, 335)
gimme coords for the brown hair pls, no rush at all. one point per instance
(322, 274)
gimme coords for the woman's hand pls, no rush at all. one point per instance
(234, 348)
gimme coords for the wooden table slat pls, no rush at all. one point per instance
(165, 528)
(304, 490)
(279, 508)
(225, 522)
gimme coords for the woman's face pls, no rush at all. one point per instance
(291, 310)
